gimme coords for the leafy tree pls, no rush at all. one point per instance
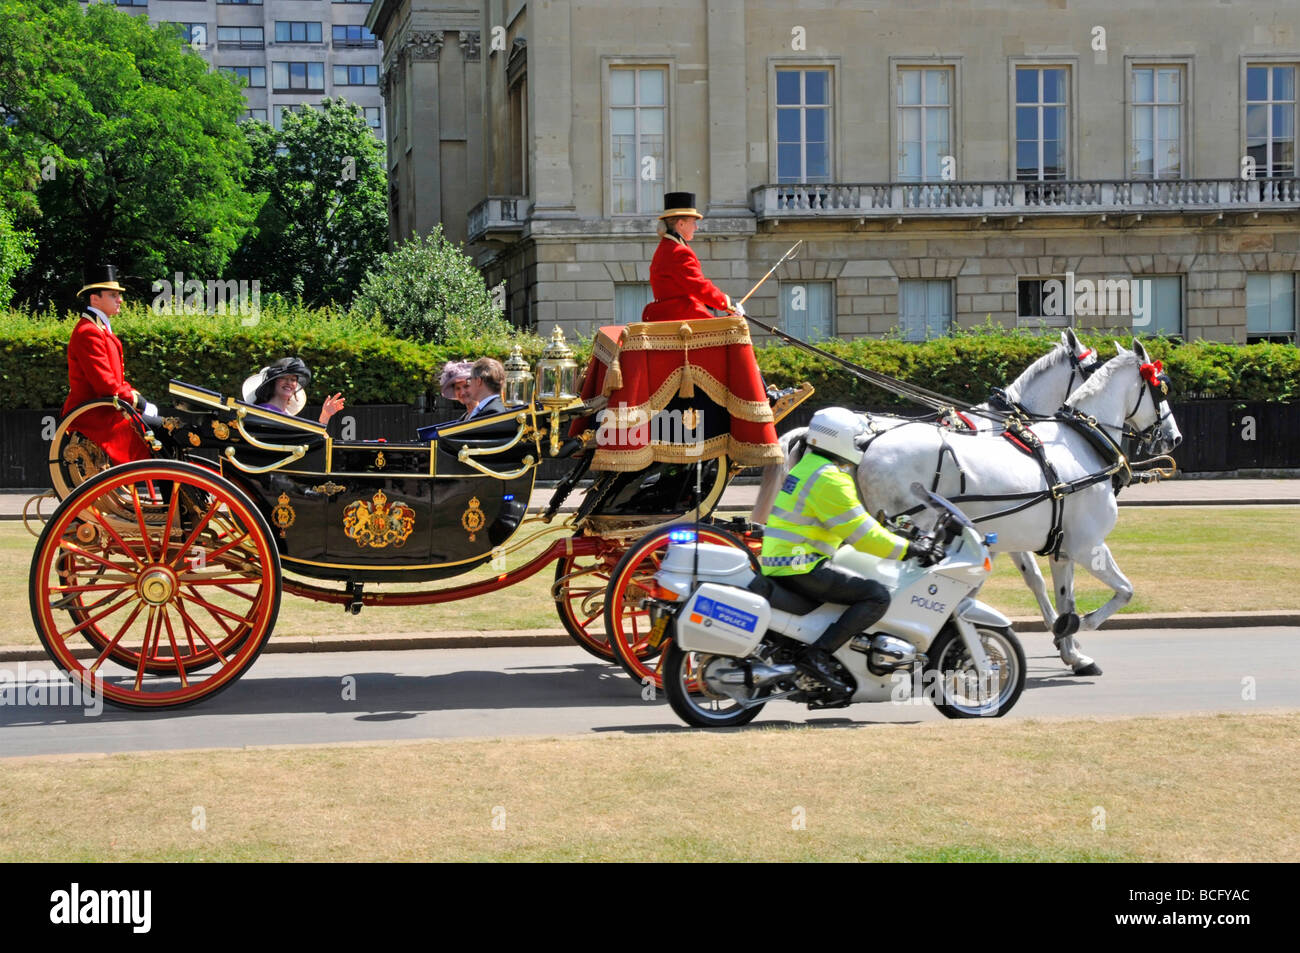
(119, 146)
(15, 254)
(325, 219)
(428, 289)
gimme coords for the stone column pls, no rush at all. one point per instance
(550, 89)
(423, 49)
(728, 149)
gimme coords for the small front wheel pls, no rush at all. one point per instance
(960, 692)
(686, 683)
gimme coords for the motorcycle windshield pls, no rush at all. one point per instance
(937, 502)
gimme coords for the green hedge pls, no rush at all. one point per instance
(967, 366)
(372, 367)
(359, 358)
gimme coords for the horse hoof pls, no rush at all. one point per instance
(1092, 669)
(1065, 625)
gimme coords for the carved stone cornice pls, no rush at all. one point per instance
(469, 45)
(423, 44)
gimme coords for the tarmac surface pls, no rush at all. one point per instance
(518, 692)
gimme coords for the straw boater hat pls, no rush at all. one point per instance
(452, 372)
(257, 388)
(679, 203)
(101, 278)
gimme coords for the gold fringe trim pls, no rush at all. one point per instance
(703, 332)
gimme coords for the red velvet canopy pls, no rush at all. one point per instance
(642, 368)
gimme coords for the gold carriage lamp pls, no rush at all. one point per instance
(557, 382)
(518, 378)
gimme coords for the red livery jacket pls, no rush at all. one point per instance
(681, 291)
(94, 372)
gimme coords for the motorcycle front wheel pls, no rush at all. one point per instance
(690, 698)
(959, 692)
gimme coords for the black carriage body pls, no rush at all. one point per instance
(372, 511)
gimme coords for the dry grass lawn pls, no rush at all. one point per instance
(1180, 559)
(1152, 789)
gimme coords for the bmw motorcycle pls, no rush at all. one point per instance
(736, 635)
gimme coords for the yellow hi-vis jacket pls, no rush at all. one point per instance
(817, 512)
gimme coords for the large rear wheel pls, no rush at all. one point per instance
(627, 621)
(186, 582)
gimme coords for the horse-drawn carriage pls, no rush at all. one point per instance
(159, 581)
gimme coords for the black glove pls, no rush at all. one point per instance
(924, 550)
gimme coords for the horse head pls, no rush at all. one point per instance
(1043, 386)
(1165, 435)
(1130, 391)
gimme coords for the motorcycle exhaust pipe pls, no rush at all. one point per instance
(759, 674)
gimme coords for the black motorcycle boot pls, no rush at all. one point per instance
(819, 664)
(816, 658)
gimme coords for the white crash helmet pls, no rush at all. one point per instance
(833, 431)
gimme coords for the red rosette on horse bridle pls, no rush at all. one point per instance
(1154, 375)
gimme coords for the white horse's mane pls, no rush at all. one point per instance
(1101, 378)
(1055, 356)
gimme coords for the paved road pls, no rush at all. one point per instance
(495, 692)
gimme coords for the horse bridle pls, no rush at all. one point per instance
(1156, 384)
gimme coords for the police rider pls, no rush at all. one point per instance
(817, 511)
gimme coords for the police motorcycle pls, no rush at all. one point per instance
(732, 636)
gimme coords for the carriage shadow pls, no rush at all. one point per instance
(375, 696)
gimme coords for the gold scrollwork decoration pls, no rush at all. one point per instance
(328, 488)
(377, 524)
(171, 423)
(194, 439)
(473, 518)
(380, 461)
(283, 515)
(221, 430)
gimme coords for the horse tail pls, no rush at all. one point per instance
(793, 445)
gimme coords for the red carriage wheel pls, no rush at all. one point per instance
(627, 622)
(579, 594)
(187, 582)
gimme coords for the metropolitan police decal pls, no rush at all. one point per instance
(728, 615)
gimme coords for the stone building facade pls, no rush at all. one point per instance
(941, 162)
(433, 84)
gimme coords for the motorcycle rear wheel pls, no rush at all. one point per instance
(954, 672)
(686, 695)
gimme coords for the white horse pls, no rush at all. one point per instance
(1041, 389)
(1123, 391)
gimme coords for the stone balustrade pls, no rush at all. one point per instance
(967, 199)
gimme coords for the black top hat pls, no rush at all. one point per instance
(101, 278)
(679, 203)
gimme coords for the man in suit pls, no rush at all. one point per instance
(95, 371)
(486, 378)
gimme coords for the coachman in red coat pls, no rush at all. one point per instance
(95, 371)
(681, 291)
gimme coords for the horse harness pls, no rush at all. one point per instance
(1115, 467)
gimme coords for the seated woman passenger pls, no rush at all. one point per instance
(454, 385)
(281, 386)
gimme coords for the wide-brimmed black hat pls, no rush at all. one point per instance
(679, 203)
(101, 278)
(257, 389)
